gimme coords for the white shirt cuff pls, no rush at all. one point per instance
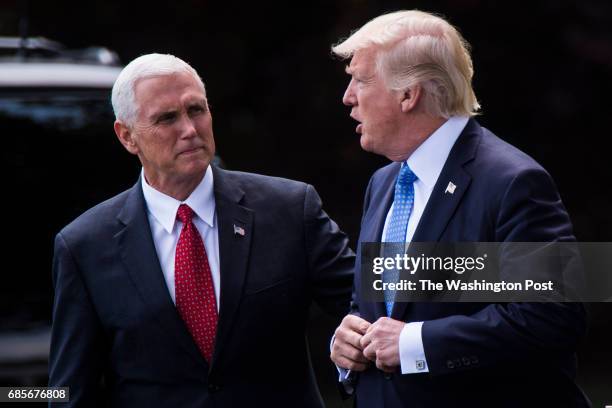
(412, 353)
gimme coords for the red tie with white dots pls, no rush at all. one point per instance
(195, 294)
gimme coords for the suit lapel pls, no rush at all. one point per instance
(442, 203)
(235, 226)
(380, 202)
(138, 253)
(374, 221)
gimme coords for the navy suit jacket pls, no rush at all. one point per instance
(117, 337)
(478, 354)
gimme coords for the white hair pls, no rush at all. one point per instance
(418, 48)
(123, 99)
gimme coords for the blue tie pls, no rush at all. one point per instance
(396, 229)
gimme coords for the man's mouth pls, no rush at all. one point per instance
(359, 128)
(190, 151)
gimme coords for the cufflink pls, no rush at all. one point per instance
(420, 365)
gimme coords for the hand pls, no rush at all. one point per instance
(346, 351)
(381, 343)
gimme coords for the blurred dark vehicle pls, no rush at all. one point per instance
(61, 157)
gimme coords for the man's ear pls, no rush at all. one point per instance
(410, 98)
(126, 137)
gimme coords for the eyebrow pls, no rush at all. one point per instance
(200, 102)
(157, 114)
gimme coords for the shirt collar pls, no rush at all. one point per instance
(164, 208)
(428, 159)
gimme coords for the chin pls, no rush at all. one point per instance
(367, 145)
(196, 167)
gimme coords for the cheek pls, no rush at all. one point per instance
(161, 146)
(204, 125)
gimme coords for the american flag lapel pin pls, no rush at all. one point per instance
(238, 230)
(450, 189)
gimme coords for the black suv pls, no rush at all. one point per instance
(61, 158)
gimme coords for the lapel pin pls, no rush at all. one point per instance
(450, 188)
(238, 230)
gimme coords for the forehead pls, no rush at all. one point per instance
(167, 88)
(363, 62)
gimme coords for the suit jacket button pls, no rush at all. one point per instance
(466, 361)
(457, 362)
(450, 364)
(474, 360)
(387, 376)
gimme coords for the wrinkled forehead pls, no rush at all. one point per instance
(363, 62)
(152, 88)
(166, 92)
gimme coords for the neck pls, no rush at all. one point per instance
(417, 131)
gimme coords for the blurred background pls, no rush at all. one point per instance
(542, 74)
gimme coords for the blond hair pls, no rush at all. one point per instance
(418, 48)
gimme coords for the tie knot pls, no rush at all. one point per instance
(406, 176)
(184, 213)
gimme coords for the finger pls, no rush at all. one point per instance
(355, 323)
(370, 352)
(350, 352)
(356, 356)
(383, 320)
(346, 336)
(379, 364)
(346, 350)
(350, 365)
(366, 340)
(382, 362)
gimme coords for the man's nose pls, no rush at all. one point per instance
(349, 98)
(188, 128)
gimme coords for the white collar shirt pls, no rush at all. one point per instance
(427, 162)
(166, 228)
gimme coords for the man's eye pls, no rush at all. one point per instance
(196, 109)
(166, 118)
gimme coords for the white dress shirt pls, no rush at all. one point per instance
(166, 228)
(426, 162)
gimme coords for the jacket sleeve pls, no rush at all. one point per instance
(77, 339)
(330, 259)
(530, 211)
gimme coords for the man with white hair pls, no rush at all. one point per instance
(192, 288)
(450, 180)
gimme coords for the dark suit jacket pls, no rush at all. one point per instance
(478, 354)
(114, 320)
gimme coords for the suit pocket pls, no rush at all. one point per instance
(260, 288)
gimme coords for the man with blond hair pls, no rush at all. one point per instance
(192, 288)
(450, 180)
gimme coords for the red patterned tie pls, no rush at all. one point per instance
(195, 294)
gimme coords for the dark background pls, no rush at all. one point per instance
(542, 74)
